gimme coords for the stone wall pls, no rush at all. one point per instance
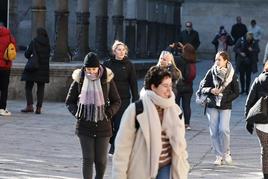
(208, 15)
(60, 79)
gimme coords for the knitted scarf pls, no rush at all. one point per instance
(172, 125)
(91, 101)
(222, 76)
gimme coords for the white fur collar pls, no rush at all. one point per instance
(77, 74)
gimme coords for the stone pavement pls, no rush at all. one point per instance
(45, 146)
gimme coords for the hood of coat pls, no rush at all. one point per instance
(4, 31)
(77, 74)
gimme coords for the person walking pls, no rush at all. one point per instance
(239, 29)
(166, 60)
(221, 87)
(189, 35)
(93, 99)
(259, 89)
(186, 64)
(256, 30)
(125, 79)
(40, 47)
(5, 66)
(222, 40)
(247, 50)
(156, 136)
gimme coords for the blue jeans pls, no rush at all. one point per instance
(219, 128)
(164, 172)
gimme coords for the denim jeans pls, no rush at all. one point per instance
(219, 129)
(164, 172)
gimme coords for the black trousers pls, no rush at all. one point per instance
(94, 150)
(116, 120)
(39, 93)
(4, 82)
(245, 73)
(184, 100)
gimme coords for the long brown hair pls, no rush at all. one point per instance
(189, 53)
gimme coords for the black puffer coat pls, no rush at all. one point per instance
(90, 128)
(258, 89)
(42, 48)
(124, 77)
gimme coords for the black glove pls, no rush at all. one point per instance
(250, 127)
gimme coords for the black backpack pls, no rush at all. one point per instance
(139, 110)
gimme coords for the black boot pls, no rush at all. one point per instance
(265, 176)
(29, 108)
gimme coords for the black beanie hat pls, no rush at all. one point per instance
(91, 60)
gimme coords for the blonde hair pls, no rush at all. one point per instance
(173, 64)
(265, 68)
(116, 44)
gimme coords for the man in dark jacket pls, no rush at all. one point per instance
(239, 29)
(5, 66)
(189, 35)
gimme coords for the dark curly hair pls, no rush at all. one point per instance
(155, 76)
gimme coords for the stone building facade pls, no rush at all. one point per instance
(208, 15)
(76, 26)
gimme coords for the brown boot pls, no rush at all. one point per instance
(38, 110)
(29, 108)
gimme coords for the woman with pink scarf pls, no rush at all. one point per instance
(93, 100)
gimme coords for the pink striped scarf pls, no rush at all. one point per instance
(91, 100)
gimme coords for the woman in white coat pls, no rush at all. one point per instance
(156, 148)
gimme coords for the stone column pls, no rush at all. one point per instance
(61, 53)
(82, 26)
(118, 19)
(38, 15)
(142, 38)
(152, 39)
(13, 17)
(131, 36)
(177, 19)
(101, 27)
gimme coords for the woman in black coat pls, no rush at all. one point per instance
(258, 89)
(93, 99)
(40, 76)
(126, 82)
(187, 66)
(247, 50)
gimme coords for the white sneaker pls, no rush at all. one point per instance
(4, 112)
(228, 159)
(218, 160)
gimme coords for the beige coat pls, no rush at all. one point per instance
(131, 159)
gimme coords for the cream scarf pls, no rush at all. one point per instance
(172, 124)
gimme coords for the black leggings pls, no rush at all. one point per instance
(39, 93)
(94, 150)
(4, 81)
(186, 105)
(245, 72)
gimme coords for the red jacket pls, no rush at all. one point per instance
(5, 39)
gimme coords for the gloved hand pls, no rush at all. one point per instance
(250, 127)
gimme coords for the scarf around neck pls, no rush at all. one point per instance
(171, 124)
(222, 76)
(91, 100)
